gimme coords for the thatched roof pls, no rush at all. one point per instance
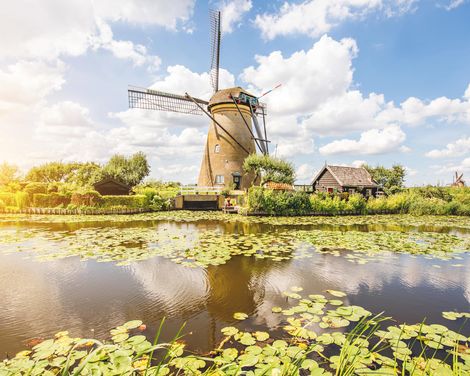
(111, 181)
(349, 176)
(223, 96)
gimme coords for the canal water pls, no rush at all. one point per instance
(88, 297)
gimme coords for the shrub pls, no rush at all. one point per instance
(442, 193)
(134, 202)
(32, 188)
(22, 200)
(278, 202)
(376, 204)
(8, 198)
(51, 200)
(88, 198)
(423, 206)
(356, 202)
(2, 205)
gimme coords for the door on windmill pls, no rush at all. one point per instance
(236, 182)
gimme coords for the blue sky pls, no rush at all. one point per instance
(376, 81)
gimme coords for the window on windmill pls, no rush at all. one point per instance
(217, 148)
(219, 179)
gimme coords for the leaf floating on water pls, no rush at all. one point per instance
(240, 316)
(338, 294)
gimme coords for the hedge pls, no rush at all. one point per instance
(135, 202)
(90, 198)
(8, 198)
(32, 188)
(51, 200)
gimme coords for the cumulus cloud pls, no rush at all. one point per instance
(374, 141)
(316, 17)
(54, 28)
(232, 13)
(455, 149)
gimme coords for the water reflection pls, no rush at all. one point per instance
(88, 298)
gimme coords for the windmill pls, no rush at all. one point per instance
(234, 132)
(458, 181)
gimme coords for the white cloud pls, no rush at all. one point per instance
(122, 49)
(454, 4)
(232, 13)
(308, 78)
(456, 149)
(49, 29)
(155, 12)
(373, 141)
(304, 173)
(316, 17)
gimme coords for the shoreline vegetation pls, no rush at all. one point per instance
(318, 334)
(37, 198)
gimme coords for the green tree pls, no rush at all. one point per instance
(81, 174)
(129, 170)
(392, 179)
(8, 173)
(269, 169)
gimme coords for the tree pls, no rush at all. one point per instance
(269, 169)
(129, 170)
(82, 174)
(391, 179)
(8, 173)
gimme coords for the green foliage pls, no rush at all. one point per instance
(8, 173)
(129, 170)
(442, 193)
(269, 169)
(392, 179)
(8, 198)
(32, 188)
(278, 202)
(22, 200)
(50, 200)
(87, 198)
(134, 202)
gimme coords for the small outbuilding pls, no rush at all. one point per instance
(110, 186)
(334, 179)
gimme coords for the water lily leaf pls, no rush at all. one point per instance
(338, 294)
(261, 336)
(276, 309)
(132, 324)
(229, 331)
(240, 316)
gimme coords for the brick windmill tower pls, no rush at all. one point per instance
(234, 131)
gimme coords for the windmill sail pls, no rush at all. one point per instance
(262, 141)
(149, 99)
(215, 48)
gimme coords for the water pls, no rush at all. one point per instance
(89, 298)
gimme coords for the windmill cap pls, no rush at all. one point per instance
(223, 96)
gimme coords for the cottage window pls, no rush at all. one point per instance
(330, 190)
(219, 179)
(368, 192)
(351, 191)
(217, 148)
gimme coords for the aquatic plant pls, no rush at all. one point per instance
(318, 337)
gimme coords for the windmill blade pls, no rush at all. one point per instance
(262, 141)
(215, 48)
(149, 99)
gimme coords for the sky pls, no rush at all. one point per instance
(363, 81)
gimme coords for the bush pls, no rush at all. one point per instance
(357, 203)
(377, 204)
(9, 199)
(22, 200)
(88, 198)
(134, 202)
(32, 188)
(423, 206)
(51, 200)
(278, 202)
(2, 205)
